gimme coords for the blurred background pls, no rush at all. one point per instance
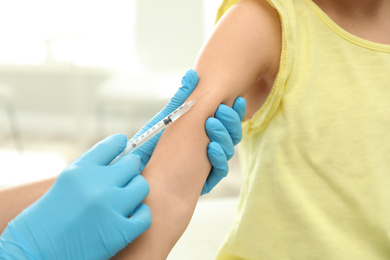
(73, 72)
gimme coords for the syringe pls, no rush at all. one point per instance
(139, 141)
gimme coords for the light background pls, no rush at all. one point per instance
(75, 71)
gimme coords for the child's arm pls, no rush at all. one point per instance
(244, 48)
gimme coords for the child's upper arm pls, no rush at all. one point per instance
(245, 45)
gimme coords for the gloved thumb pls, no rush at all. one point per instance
(138, 223)
(188, 84)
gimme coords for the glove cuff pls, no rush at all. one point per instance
(13, 246)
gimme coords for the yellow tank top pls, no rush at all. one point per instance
(316, 156)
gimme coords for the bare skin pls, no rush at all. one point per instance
(367, 19)
(244, 50)
(170, 221)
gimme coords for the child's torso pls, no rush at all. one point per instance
(317, 168)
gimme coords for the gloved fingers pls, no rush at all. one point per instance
(231, 121)
(124, 170)
(218, 160)
(220, 167)
(133, 194)
(138, 223)
(104, 151)
(206, 189)
(240, 106)
(188, 84)
(211, 182)
(217, 132)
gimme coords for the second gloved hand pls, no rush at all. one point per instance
(224, 131)
(85, 213)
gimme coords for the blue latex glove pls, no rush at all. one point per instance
(85, 213)
(188, 84)
(224, 130)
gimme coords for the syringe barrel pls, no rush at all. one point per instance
(179, 112)
(147, 135)
(139, 141)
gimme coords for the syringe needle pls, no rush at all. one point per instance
(192, 102)
(196, 99)
(143, 138)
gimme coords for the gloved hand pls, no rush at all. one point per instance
(224, 131)
(85, 213)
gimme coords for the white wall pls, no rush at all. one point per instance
(59, 96)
